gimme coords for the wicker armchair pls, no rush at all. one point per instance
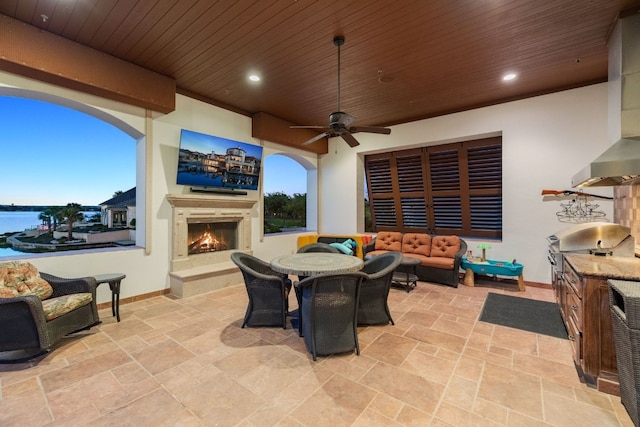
(328, 313)
(267, 289)
(31, 323)
(372, 306)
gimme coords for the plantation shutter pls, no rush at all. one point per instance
(447, 189)
(409, 165)
(381, 195)
(485, 186)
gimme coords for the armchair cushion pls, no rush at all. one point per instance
(18, 278)
(445, 246)
(56, 307)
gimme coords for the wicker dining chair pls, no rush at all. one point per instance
(373, 308)
(329, 311)
(267, 289)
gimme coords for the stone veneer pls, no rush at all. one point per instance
(626, 209)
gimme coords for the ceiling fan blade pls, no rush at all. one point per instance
(316, 138)
(349, 139)
(370, 129)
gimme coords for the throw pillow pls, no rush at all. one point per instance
(22, 278)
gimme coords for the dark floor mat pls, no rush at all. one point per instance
(530, 315)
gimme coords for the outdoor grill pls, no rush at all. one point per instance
(595, 238)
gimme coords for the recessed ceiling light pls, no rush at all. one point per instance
(509, 76)
(254, 78)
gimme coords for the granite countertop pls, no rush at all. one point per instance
(624, 268)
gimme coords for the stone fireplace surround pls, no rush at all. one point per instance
(199, 273)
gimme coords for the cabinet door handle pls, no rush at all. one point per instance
(574, 307)
(572, 338)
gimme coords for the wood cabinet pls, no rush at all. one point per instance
(584, 304)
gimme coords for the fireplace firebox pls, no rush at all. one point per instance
(211, 237)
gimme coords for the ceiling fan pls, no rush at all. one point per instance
(340, 122)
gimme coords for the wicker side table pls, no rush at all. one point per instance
(113, 279)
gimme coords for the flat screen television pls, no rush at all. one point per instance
(207, 161)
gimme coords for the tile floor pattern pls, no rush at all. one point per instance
(187, 362)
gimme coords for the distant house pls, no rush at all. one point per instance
(119, 210)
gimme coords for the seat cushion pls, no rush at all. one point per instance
(388, 241)
(416, 243)
(19, 278)
(445, 246)
(58, 306)
(444, 263)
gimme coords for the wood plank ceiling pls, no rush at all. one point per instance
(402, 60)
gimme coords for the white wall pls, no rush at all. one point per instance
(149, 272)
(546, 140)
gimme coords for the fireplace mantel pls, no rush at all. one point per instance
(198, 273)
(203, 201)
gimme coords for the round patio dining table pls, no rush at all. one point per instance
(314, 263)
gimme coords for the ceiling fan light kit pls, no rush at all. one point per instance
(339, 121)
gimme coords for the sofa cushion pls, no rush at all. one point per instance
(388, 241)
(445, 246)
(416, 243)
(444, 263)
(22, 278)
(56, 307)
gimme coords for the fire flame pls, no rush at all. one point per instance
(207, 241)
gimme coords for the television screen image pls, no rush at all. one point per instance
(211, 161)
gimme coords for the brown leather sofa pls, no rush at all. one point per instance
(440, 256)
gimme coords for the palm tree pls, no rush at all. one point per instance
(58, 217)
(46, 219)
(48, 216)
(71, 213)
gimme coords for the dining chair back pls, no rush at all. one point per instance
(328, 313)
(373, 308)
(268, 292)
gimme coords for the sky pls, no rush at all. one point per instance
(54, 155)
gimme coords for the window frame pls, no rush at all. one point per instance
(453, 188)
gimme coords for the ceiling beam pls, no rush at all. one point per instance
(37, 54)
(271, 128)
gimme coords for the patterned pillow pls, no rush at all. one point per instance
(22, 278)
(56, 307)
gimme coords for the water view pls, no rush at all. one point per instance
(15, 221)
(18, 221)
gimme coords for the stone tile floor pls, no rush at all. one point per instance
(187, 362)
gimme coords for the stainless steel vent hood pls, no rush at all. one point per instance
(620, 164)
